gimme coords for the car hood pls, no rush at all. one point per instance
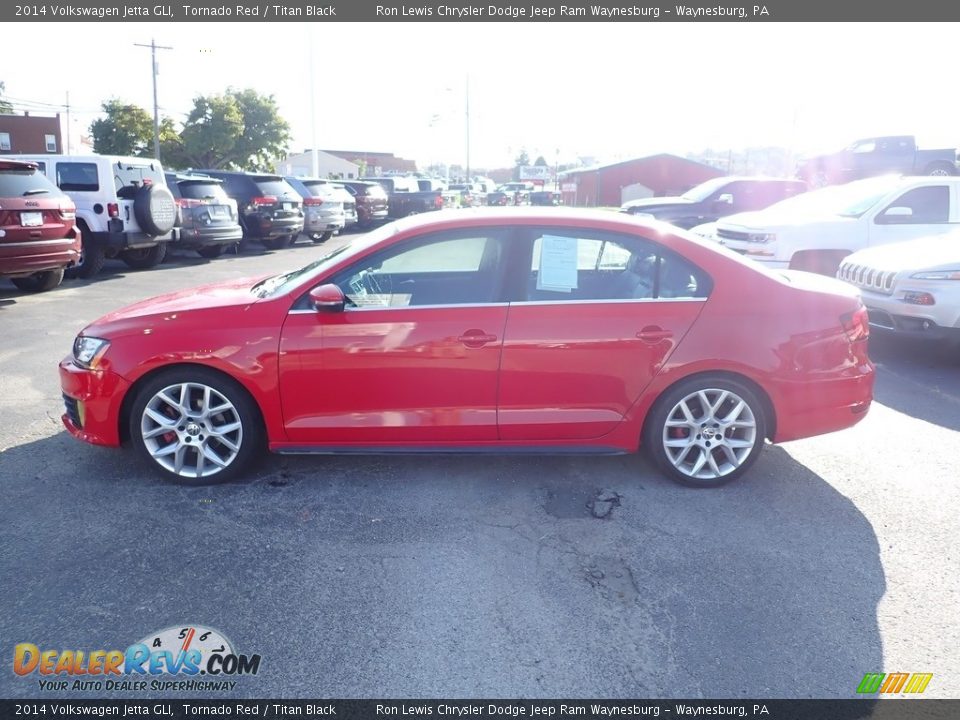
(760, 222)
(656, 203)
(170, 309)
(939, 252)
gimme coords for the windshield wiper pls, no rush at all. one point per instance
(36, 191)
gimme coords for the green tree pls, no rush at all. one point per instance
(5, 106)
(522, 160)
(126, 130)
(540, 161)
(239, 129)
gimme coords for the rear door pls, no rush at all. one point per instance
(595, 317)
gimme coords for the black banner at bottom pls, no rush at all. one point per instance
(887, 709)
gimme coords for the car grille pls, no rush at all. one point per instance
(732, 235)
(73, 411)
(868, 278)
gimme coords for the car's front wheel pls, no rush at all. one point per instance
(705, 431)
(196, 426)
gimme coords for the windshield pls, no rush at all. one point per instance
(279, 284)
(704, 190)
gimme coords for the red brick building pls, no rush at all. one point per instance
(30, 134)
(614, 184)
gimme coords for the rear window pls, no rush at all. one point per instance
(274, 186)
(318, 189)
(201, 190)
(373, 191)
(129, 175)
(26, 183)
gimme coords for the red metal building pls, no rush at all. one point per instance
(614, 184)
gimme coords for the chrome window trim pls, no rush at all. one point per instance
(507, 304)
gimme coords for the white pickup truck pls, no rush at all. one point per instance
(855, 216)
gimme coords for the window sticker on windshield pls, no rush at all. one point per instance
(558, 264)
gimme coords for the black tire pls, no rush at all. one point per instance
(210, 251)
(239, 449)
(322, 237)
(145, 258)
(732, 443)
(92, 256)
(40, 282)
(155, 209)
(942, 169)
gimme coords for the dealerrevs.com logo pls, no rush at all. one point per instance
(185, 658)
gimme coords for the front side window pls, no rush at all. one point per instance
(923, 205)
(438, 270)
(573, 266)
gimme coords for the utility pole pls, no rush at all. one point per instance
(68, 122)
(156, 116)
(469, 177)
(314, 152)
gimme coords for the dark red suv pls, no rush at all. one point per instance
(38, 232)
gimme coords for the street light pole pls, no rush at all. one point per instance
(468, 178)
(156, 114)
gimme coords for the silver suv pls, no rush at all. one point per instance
(124, 208)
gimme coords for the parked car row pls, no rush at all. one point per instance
(66, 215)
(896, 239)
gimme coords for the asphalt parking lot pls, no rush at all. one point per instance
(485, 577)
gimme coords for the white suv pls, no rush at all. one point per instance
(124, 208)
(910, 288)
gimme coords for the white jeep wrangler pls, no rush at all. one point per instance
(124, 208)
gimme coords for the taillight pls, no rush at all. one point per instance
(113, 209)
(189, 202)
(438, 202)
(68, 212)
(312, 201)
(856, 324)
(264, 200)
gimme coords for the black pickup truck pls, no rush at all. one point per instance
(877, 156)
(404, 196)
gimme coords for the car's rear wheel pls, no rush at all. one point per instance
(40, 281)
(705, 431)
(322, 237)
(941, 169)
(145, 258)
(196, 426)
(210, 251)
(277, 243)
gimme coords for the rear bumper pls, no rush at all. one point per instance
(195, 237)
(26, 258)
(92, 399)
(321, 224)
(807, 408)
(125, 240)
(261, 228)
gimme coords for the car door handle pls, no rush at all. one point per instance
(476, 338)
(654, 333)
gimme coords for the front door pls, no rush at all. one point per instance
(412, 359)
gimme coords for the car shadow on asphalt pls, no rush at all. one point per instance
(920, 379)
(457, 576)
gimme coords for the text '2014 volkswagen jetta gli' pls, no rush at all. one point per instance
(481, 330)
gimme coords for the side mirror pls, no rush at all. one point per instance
(725, 199)
(328, 298)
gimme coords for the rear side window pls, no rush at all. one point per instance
(582, 265)
(26, 183)
(78, 176)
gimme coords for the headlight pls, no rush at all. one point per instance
(763, 238)
(88, 351)
(937, 275)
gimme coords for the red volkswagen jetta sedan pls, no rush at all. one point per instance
(476, 331)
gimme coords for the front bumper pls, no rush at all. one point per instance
(92, 399)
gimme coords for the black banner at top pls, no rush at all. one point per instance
(479, 11)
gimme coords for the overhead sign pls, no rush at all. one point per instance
(534, 172)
